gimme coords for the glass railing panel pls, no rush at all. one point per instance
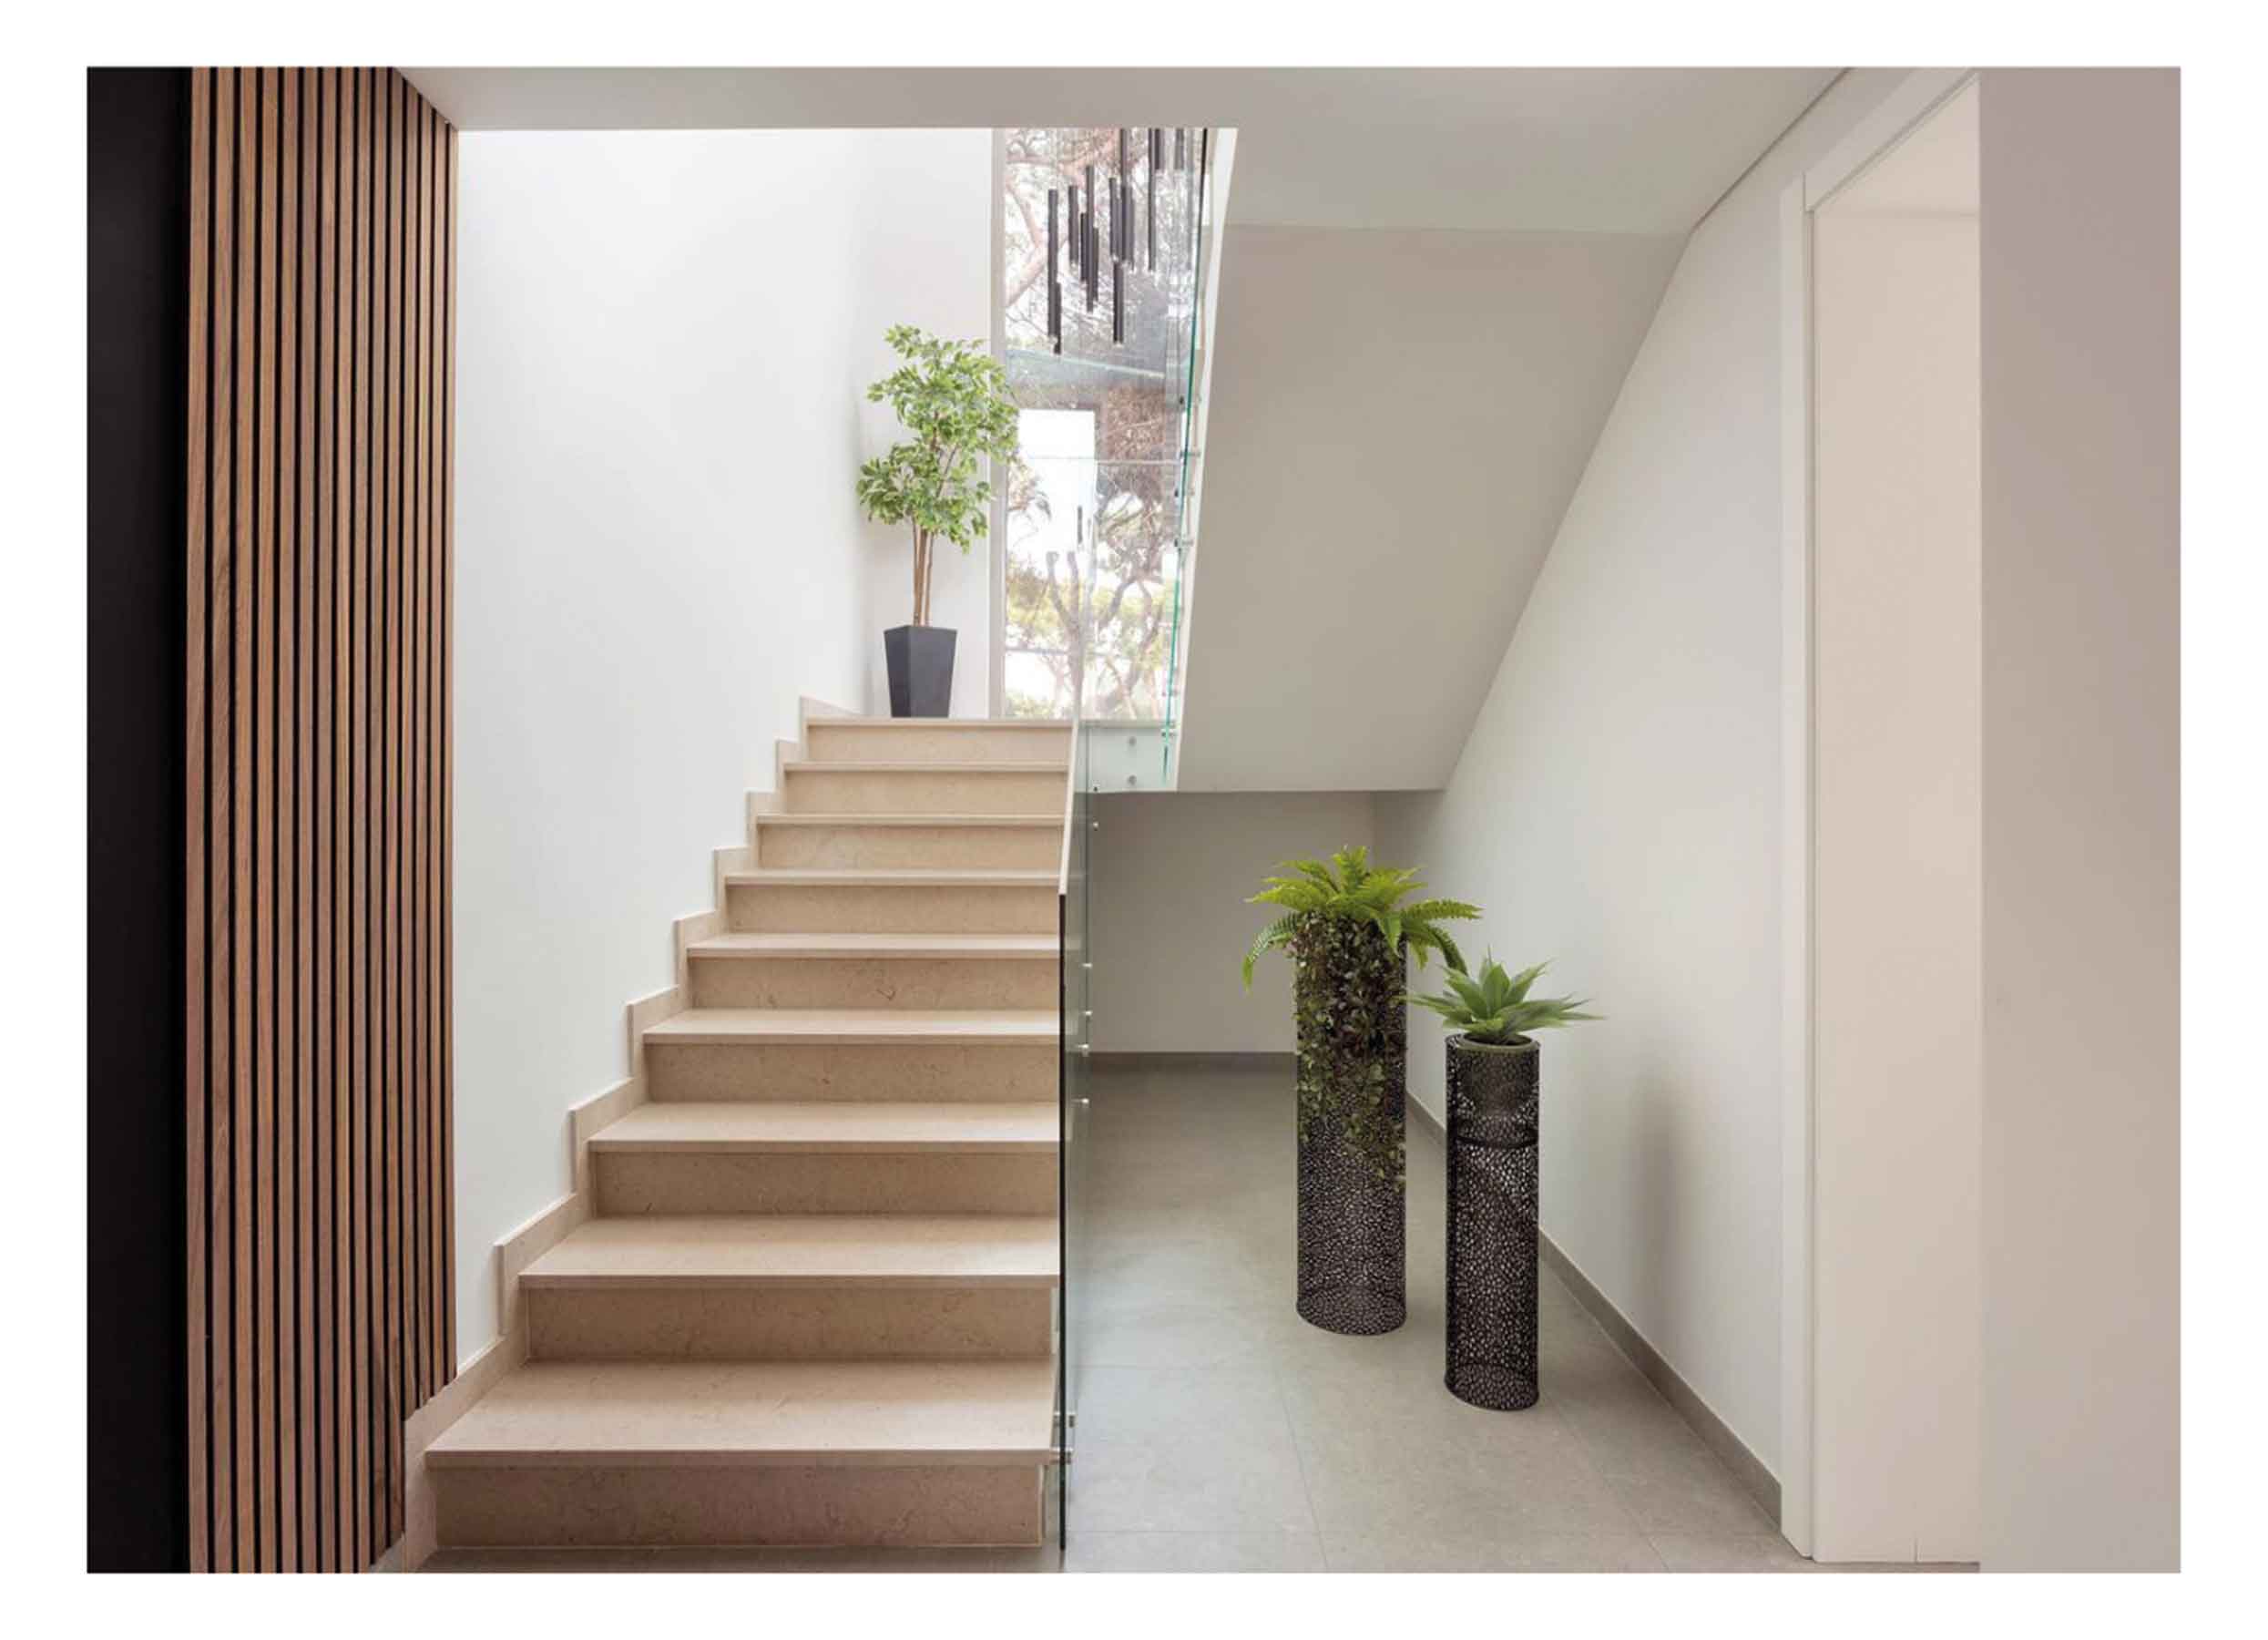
(1074, 1290)
(1101, 261)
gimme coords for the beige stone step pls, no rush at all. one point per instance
(864, 1054)
(828, 1157)
(840, 787)
(796, 1287)
(819, 1126)
(837, 1453)
(946, 739)
(893, 901)
(895, 1250)
(858, 1026)
(873, 971)
(641, 1414)
(1030, 842)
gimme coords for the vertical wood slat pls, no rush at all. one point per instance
(199, 1088)
(316, 825)
(306, 1098)
(211, 970)
(243, 1051)
(315, 98)
(445, 747)
(282, 823)
(266, 1341)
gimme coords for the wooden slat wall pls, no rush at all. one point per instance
(321, 1295)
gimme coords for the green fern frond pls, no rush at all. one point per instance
(1442, 910)
(1275, 934)
(1348, 886)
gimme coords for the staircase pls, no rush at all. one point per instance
(813, 1302)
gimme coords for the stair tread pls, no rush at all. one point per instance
(895, 876)
(1050, 822)
(1027, 945)
(1038, 725)
(902, 766)
(824, 1249)
(823, 1125)
(716, 1413)
(822, 1025)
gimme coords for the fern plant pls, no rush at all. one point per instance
(1496, 1010)
(1348, 886)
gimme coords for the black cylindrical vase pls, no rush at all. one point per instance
(1352, 1056)
(1493, 1200)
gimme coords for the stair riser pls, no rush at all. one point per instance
(759, 1071)
(918, 742)
(979, 982)
(920, 791)
(705, 1182)
(910, 848)
(786, 1323)
(580, 1506)
(767, 908)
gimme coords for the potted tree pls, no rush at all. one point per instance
(953, 397)
(1495, 1182)
(1347, 928)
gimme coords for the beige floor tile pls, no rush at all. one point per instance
(1374, 1476)
(1520, 1551)
(1767, 1551)
(1690, 1497)
(1193, 1551)
(759, 1560)
(1184, 1450)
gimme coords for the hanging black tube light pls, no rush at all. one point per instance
(1122, 218)
(1157, 146)
(1089, 245)
(1054, 280)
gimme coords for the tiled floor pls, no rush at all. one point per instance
(1219, 1432)
(1217, 1429)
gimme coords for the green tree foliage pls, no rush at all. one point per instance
(953, 397)
(1497, 1010)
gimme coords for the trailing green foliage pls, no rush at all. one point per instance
(953, 397)
(1495, 1009)
(1354, 1037)
(1348, 887)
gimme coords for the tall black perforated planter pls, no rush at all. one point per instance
(1352, 1056)
(1494, 1198)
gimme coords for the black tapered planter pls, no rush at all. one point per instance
(1494, 1198)
(1353, 1055)
(921, 671)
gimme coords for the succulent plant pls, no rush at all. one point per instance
(1496, 1010)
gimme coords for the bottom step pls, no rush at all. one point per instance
(852, 1454)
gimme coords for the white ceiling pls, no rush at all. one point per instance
(1606, 151)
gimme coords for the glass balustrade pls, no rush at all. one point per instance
(1074, 1291)
(1105, 239)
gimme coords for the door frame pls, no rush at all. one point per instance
(1918, 97)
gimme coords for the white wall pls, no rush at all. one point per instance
(1616, 809)
(1396, 423)
(1170, 874)
(1897, 879)
(663, 339)
(2081, 189)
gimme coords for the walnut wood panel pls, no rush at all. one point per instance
(321, 1301)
